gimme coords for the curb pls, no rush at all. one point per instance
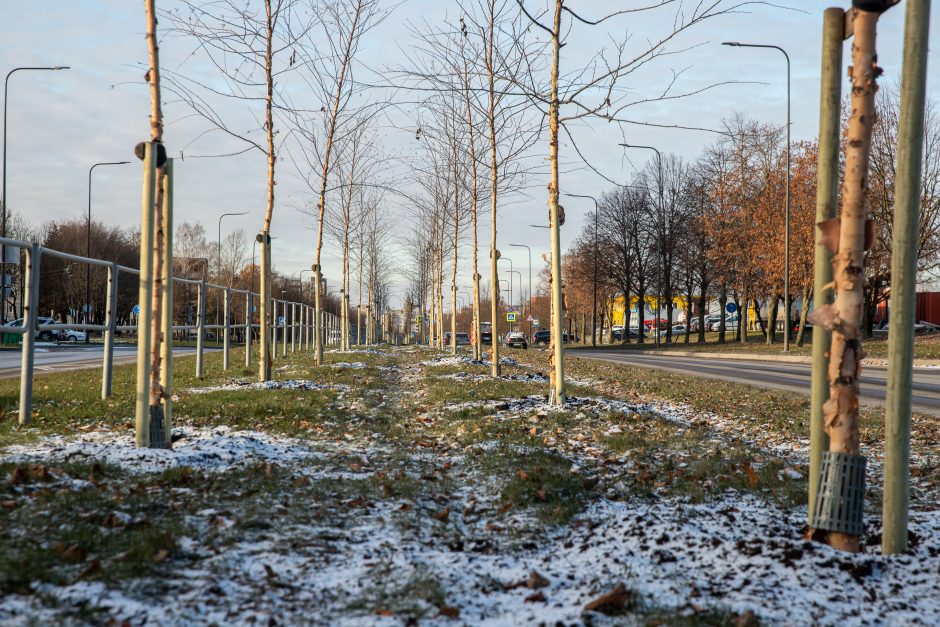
(789, 359)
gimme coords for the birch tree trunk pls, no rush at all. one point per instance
(556, 355)
(155, 424)
(474, 196)
(494, 271)
(453, 278)
(266, 315)
(331, 131)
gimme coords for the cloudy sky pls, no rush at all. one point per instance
(62, 122)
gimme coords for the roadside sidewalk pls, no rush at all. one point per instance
(792, 359)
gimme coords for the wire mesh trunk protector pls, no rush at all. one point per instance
(840, 499)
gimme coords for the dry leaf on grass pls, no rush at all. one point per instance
(613, 602)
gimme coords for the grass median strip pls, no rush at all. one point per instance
(393, 483)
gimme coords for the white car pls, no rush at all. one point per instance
(73, 335)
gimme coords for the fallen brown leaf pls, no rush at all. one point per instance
(93, 569)
(536, 580)
(449, 611)
(611, 603)
(443, 515)
(747, 619)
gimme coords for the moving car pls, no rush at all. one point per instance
(463, 339)
(517, 339)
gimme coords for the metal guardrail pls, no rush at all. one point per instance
(297, 325)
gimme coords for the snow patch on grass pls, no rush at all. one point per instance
(215, 449)
(733, 555)
(289, 384)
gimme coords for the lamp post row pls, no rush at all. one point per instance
(3, 185)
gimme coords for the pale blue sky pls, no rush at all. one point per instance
(62, 122)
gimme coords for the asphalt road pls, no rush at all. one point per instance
(66, 357)
(777, 375)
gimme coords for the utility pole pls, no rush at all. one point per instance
(904, 277)
(786, 219)
(594, 315)
(86, 308)
(660, 242)
(529, 250)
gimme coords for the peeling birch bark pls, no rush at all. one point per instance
(845, 318)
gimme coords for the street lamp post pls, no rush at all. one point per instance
(219, 251)
(87, 305)
(529, 250)
(659, 268)
(3, 186)
(786, 220)
(512, 272)
(594, 317)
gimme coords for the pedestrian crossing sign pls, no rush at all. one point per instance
(511, 316)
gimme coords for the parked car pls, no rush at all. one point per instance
(662, 323)
(40, 334)
(677, 330)
(517, 339)
(543, 337)
(74, 335)
(713, 321)
(616, 335)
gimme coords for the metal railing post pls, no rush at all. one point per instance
(249, 302)
(200, 327)
(284, 336)
(109, 321)
(293, 327)
(29, 321)
(274, 327)
(226, 329)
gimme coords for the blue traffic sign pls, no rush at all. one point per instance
(136, 310)
(731, 307)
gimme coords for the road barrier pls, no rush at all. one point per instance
(293, 325)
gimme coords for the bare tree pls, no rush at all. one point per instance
(592, 92)
(248, 47)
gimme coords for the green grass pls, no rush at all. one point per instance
(63, 535)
